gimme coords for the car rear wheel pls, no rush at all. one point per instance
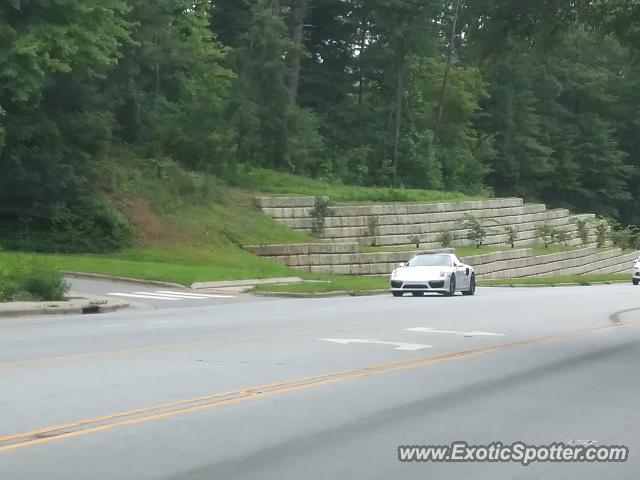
(452, 287)
(397, 294)
(472, 287)
(636, 281)
(417, 294)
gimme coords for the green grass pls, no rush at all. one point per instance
(331, 283)
(558, 280)
(183, 264)
(271, 182)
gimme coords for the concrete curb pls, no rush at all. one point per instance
(101, 276)
(357, 293)
(76, 304)
(72, 307)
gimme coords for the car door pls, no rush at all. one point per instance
(463, 277)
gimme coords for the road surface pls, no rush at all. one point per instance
(321, 388)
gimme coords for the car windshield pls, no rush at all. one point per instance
(430, 261)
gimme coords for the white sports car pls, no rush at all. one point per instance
(442, 273)
(635, 276)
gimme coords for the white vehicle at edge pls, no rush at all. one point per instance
(442, 273)
(635, 275)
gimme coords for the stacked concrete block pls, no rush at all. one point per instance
(348, 228)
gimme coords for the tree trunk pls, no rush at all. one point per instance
(447, 72)
(361, 46)
(275, 7)
(298, 14)
(398, 113)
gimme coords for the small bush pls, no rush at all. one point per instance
(477, 232)
(446, 239)
(31, 282)
(603, 233)
(512, 235)
(547, 233)
(625, 237)
(563, 237)
(372, 229)
(319, 213)
(583, 230)
(415, 239)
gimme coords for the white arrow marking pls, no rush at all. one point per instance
(397, 345)
(453, 332)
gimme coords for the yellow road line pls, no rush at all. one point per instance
(197, 404)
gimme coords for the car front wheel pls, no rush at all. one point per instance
(452, 287)
(472, 287)
(636, 281)
(396, 294)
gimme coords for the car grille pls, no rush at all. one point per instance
(437, 284)
(410, 286)
(396, 284)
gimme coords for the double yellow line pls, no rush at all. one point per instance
(215, 400)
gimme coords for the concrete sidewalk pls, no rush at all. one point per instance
(75, 305)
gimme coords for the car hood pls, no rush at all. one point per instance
(421, 273)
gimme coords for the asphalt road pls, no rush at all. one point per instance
(299, 388)
(152, 297)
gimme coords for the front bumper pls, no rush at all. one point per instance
(439, 285)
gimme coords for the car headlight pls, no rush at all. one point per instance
(394, 274)
(442, 274)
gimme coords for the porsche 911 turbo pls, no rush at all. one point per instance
(442, 273)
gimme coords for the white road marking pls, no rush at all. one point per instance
(194, 295)
(453, 332)
(170, 295)
(397, 345)
(142, 295)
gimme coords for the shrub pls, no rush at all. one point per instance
(372, 229)
(625, 237)
(416, 240)
(33, 281)
(477, 232)
(319, 213)
(446, 238)
(88, 226)
(562, 236)
(547, 233)
(602, 233)
(512, 235)
(583, 230)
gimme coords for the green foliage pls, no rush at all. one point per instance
(319, 213)
(512, 235)
(476, 230)
(524, 100)
(563, 237)
(603, 233)
(547, 233)
(582, 225)
(373, 222)
(446, 239)
(89, 225)
(625, 237)
(30, 281)
(415, 239)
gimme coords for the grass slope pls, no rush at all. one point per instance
(270, 182)
(191, 227)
